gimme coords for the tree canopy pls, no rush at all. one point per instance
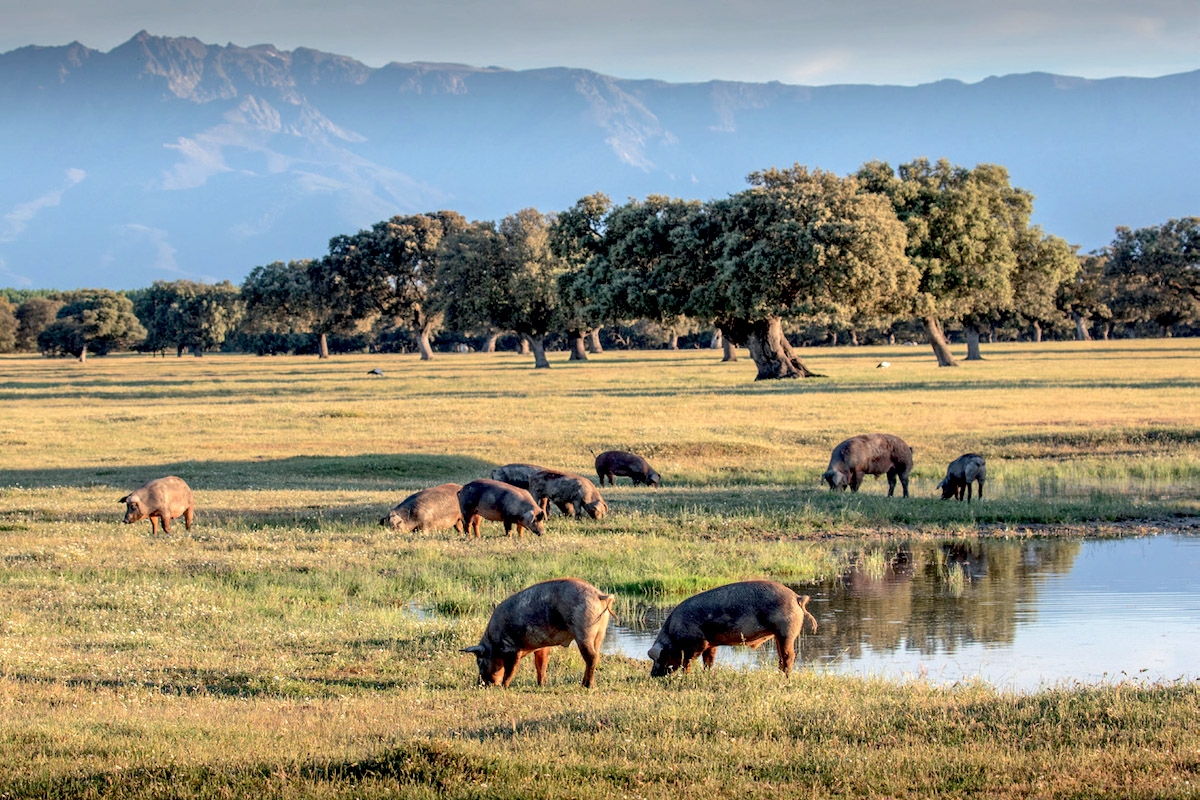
(96, 320)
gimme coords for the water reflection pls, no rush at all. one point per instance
(1018, 614)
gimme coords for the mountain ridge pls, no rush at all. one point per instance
(168, 157)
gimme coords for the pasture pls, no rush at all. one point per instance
(288, 645)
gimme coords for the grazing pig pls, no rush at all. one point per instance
(612, 463)
(549, 614)
(870, 454)
(431, 509)
(959, 475)
(746, 613)
(500, 502)
(162, 498)
(573, 494)
(516, 474)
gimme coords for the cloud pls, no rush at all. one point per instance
(201, 160)
(13, 277)
(16, 221)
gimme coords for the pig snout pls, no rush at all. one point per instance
(535, 521)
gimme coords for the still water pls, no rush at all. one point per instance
(1019, 615)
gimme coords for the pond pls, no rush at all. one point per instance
(1018, 614)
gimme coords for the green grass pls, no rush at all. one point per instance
(288, 645)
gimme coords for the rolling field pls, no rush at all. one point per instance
(288, 645)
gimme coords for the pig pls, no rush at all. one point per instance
(162, 498)
(869, 454)
(962, 471)
(516, 474)
(431, 509)
(500, 502)
(611, 463)
(749, 613)
(547, 614)
(573, 494)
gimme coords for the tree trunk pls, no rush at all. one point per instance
(972, 342)
(179, 351)
(715, 343)
(729, 350)
(833, 338)
(891, 337)
(322, 346)
(1105, 331)
(672, 339)
(524, 348)
(489, 344)
(1166, 329)
(593, 341)
(992, 334)
(197, 351)
(83, 355)
(853, 338)
(423, 345)
(937, 340)
(578, 349)
(772, 353)
(1081, 331)
(538, 345)
(1037, 331)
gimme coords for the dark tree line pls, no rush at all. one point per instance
(800, 256)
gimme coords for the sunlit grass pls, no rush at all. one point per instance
(289, 645)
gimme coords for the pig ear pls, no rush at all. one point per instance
(475, 650)
(124, 499)
(655, 652)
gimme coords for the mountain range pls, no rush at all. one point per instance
(169, 158)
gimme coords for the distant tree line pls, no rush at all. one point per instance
(801, 257)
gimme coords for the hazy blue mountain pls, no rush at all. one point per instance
(168, 158)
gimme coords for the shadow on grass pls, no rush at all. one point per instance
(324, 473)
(434, 768)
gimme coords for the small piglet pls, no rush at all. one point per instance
(500, 502)
(549, 614)
(612, 463)
(573, 494)
(967, 468)
(164, 499)
(746, 613)
(431, 509)
(869, 454)
(518, 475)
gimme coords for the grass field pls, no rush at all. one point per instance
(286, 645)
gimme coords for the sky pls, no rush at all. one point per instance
(813, 42)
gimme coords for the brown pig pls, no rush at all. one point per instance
(573, 494)
(549, 614)
(869, 454)
(164, 499)
(967, 468)
(746, 613)
(612, 463)
(431, 509)
(516, 474)
(500, 502)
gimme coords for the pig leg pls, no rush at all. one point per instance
(541, 657)
(904, 482)
(787, 652)
(474, 525)
(980, 495)
(709, 656)
(591, 655)
(166, 521)
(153, 526)
(510, 666)
(187, 517)
(891, 476)
(855, 480)
(969, 487)
(458, 525)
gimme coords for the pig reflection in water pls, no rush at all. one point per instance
(747, 613)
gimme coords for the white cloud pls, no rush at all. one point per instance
(201, 160)
(12, 277)
(16, 221)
